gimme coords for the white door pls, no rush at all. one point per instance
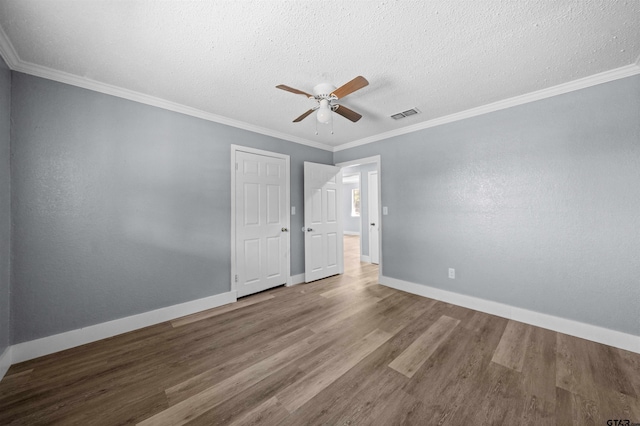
(261, 222)
(374, 219)
(323, 251)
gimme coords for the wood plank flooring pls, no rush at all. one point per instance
(340, 351)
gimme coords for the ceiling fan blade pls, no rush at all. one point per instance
(292, 90)
(303, 116)
(347, 113)
(356, 84)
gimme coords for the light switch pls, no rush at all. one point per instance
(293, 210)
(385, 210)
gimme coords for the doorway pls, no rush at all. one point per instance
(362, 217)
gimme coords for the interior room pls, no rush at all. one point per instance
(269, 212)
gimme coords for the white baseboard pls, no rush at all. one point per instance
(364, 258)
(350, 232)
(594, 333)
(5, 362)
(296, 279)
(59, 342)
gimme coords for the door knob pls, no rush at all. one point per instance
(285, 230)
(373, 224)
(309, 230)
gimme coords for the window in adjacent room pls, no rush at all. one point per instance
(355, 202)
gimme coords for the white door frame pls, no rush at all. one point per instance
(368, 160)
(369, 174)
(234, 149)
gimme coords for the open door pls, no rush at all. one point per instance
(323, 244)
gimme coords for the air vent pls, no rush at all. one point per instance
(407, 113)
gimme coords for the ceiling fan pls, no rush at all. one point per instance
(326, 94)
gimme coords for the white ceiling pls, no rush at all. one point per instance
(221, 60)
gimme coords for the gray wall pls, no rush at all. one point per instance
(536, 206)
(5, 205)
(121, 208)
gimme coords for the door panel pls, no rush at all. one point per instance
(316, 252)
(261, 216)
(252, 260)
(251, 204)
(274, 195)
(323, 227)
(273, 261)
(315, 207)
(332, 252)
(273, 170)
(250, 167)
(332, 213)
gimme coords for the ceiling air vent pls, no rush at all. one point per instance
(407, 113)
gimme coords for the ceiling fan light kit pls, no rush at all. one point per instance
(325, 95)
(324, 112)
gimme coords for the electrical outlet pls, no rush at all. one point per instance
(452, 273)
(385, 211)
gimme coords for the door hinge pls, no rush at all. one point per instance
(236, 278)
(236, 167)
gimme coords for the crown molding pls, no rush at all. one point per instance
(7, 51)
(582, 83)
(15, 63)
(85, 83)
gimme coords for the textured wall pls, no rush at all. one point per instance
(121, 208)
(536, 206)
(5, 204)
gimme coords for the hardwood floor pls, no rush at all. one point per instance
(339, 351)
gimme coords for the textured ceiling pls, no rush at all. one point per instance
(225, 58)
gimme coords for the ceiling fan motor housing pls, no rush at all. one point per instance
(323, 91)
